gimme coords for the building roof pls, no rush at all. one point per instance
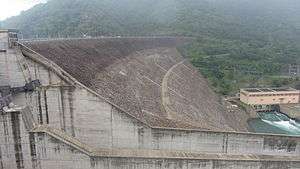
(9, 30)
(145, 77)
(256, 90)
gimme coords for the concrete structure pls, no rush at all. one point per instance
(269, 96)
(117, 103)
(292, 110)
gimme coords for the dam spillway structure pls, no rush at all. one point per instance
(121, 103)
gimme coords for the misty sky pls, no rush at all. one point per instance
(10, 8)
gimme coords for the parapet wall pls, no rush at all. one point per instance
(58, 155)
(228, 143)
(135, 135)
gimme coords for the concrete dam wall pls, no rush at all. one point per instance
(144, 77)
(133, 108)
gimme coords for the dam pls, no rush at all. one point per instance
(122, 103)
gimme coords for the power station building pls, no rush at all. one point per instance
(269, 96)
(121, 103)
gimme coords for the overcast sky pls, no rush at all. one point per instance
(10, 8)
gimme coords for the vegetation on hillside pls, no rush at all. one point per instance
(239, 43)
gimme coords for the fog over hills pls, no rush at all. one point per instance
(148, 17)
(257, 35)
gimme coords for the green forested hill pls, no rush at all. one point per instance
(239, 43)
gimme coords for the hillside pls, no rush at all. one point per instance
(239, 42)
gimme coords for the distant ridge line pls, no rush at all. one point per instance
(106, 37)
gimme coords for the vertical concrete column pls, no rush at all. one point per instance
(225, 143)
(15, 120)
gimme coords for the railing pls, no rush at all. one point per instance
(65, 138)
